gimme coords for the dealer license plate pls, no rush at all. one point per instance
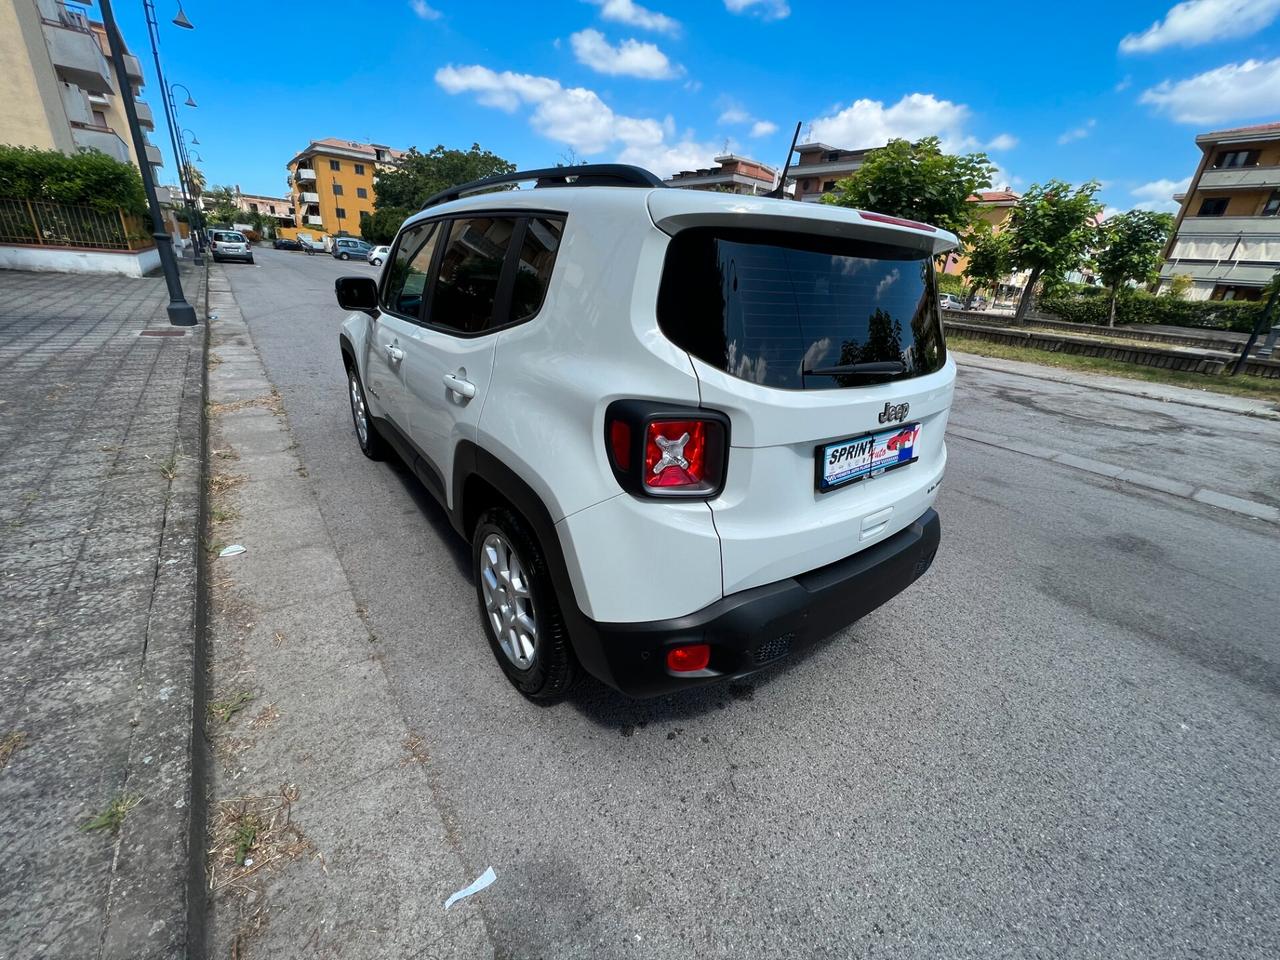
(848, 461)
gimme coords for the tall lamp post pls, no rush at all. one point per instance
(181, 313)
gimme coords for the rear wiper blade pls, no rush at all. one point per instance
(879, 368)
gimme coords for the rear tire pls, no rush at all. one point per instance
(343, 256)
(367, 436)
(377, 261)
(519, 607)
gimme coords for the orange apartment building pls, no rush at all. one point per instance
(331, 184)
(820, 166)
(731, 174)
(1227, 234)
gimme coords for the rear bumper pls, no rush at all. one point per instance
(754, 628)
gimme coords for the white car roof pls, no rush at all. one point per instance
(672, 209)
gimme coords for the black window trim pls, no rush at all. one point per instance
(506, 278)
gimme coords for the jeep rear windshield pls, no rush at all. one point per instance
(801, 312)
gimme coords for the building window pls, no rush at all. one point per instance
(1214, 207)
(833, 156)
(1237, 158)
(341, 213)
(1272, 208)
(362, 193)
(335, 165)
(337, 189)
(360, 169)
(828, 186)
(1229, 292)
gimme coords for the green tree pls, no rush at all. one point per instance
(220, 206)
(382, 225)
(920, 182)
(89, 177)
(1050, 231)
(989, 261)
(195, 180)
(416, 176)
(1179, 284)
(1130, 246)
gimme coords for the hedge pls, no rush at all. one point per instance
(1141, 307)
(89, 177)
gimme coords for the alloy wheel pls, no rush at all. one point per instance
(508, 601)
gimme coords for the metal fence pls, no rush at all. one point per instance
(47, 224)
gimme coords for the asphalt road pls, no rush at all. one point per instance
(1063, 741)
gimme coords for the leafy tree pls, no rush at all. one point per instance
(1049, 232)
(1179, 284)
(381, 226)
(89, 177)
(1131, 246)
(417, 176)
(920, 182)
(989, 261)
(195, 180)
(221, 207)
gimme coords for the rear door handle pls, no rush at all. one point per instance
(462, 387)
(395, 353)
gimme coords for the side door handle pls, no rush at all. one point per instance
(394, 353)
(460, 385)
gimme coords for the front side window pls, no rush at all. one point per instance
(800, 312)
(533, 270)
(1213, 207)
(467, 286)
(408, 270)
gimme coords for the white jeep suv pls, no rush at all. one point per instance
(685, 432)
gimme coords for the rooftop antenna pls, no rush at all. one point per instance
(778, 192)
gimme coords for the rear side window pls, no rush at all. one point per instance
(225, 237)
(470, 269)
(407, 276)
(533, 270)
(775, 308)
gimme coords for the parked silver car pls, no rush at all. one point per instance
(229, 245)
(350, 248)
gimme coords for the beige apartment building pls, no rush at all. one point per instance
(1227, 234)
(820, 166)
(57, 87)
(731, 174)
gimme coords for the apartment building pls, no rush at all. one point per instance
(995, 207)
(58, 89)
(331, 183)
(1227, 234)
(820, 166)
(731, 174)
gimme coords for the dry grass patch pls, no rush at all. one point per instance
(11, 744)
(267, 715)
(220, 514)
(229, 706)
(111, 818)
(251, 834)
(222, 482)
(416, 747)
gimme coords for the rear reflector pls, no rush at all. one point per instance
(896, 221)
(689, 659)
(620, 443)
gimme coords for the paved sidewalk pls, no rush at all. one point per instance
(100, 467)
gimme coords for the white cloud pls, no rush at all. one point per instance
(890, 278)
(578, 117)
(1003, 141)
(734, 113)
(762, 128)
(869, 123)
(630, 58)
(1078, 133)
(764, 9)
(1231, 92)
(1124, 84)
(424, 11)
(1195, 22)
(1158, 194)
(634, 15)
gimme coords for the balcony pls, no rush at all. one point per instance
(145, 117)
(1241, 178)
(101, 138)
(1229, 226)
(314, 220)
(1225, 271)
(76, 103)
(305, 175)
(154, 157)
(164, 195)
(76, 56)
(309, 197)
(132, 68)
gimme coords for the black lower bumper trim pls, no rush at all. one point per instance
(753, 628)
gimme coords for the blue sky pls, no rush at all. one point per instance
(1103, 90)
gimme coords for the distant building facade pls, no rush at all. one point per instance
(331, 183)
(821, 166)
(731, 174)
(1227, 234)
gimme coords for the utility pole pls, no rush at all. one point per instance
(1264, 321)
(181, 313)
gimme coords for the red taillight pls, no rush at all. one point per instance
(896, 221)
(675, 453)
(689, 659)
(620, 443)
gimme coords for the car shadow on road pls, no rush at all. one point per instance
(459, 551)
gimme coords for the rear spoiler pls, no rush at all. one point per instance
(676, 210)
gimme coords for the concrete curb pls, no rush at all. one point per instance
(1223, 403)
(153, 907)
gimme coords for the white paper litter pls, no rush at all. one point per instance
(475, 886)
(234, 550)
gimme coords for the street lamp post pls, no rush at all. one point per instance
(180, 312)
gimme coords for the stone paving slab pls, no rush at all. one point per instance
(100, 498)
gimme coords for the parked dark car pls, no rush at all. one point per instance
(284, 243)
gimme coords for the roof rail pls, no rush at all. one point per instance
(582, 175)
